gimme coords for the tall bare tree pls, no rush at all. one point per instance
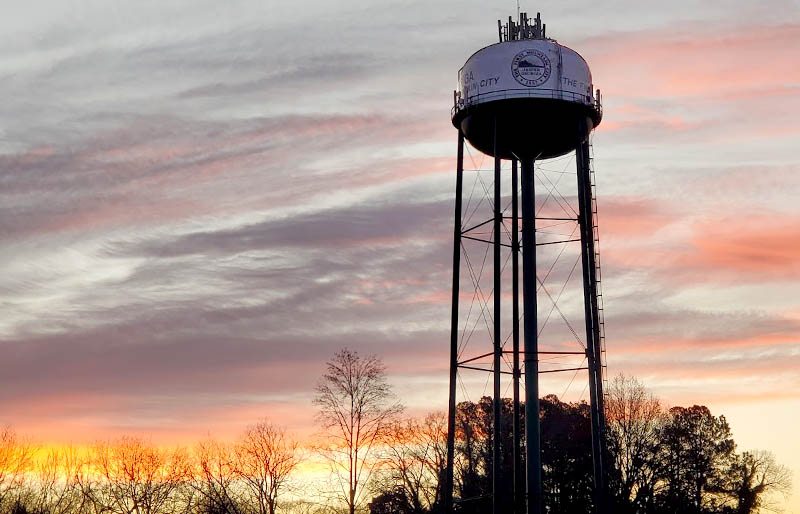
(264, 460)
(356, 409)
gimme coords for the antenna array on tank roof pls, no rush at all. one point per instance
(522, 28)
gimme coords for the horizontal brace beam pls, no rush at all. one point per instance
(543, 353)
(510, 352)
(509, 246)
(522, 373)
(479, 225)
(546, 219)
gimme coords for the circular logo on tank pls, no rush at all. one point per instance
(531, 68)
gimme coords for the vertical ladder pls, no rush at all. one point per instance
(596, 236)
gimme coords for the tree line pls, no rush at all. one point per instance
(130, 475)
(659, 461)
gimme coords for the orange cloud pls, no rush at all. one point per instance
(766, 246)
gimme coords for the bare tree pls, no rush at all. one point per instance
(434, 432)
(15, 462)
(754, 478)
(634, 418)
(415, 455)
(214, 478)
(132, 477)
(356, 408)
(264, 461)
(56, 478)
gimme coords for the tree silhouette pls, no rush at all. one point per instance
(130, 476)
(214, 479)
(392, 502)
(567, 473)
(752, 478)
(55, 476)
(413, 463)
(634, 420)
(15, 462)
(661, 462)
(473, 446)
(356, 409)
(695, 451)
(264, 460)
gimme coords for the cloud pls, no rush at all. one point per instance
(689, 86)
(228, 311)
(752, 247)
(289, 74)
(621, 218)
(675, 61)
(349, 228)
(159, 171)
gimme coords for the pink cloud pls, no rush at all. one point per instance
(668, 344)
(765, 246)
(621, 217)
(669, 62)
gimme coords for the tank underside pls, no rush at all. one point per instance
(527, 128)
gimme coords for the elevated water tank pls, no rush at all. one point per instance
(530, 94)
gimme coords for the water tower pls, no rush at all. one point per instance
(525, 99)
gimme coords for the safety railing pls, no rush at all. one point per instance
(503, 94)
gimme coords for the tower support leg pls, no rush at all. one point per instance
(497, 461)
(533, 455)
(593, 347)
(451, 413)
(516, 436)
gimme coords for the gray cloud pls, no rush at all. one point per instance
(375, 225)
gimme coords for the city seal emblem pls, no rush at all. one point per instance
(531, 68)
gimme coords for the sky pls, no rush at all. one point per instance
(200, 202)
